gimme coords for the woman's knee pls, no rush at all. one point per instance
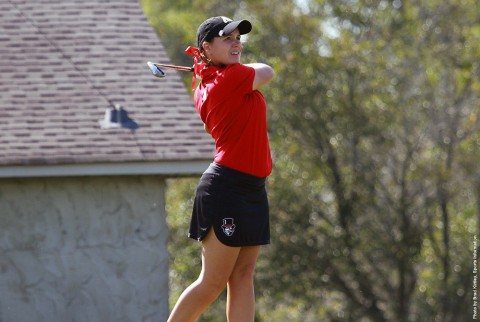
(243, 274)
(212, 287)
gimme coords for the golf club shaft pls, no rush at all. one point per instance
(184, 68)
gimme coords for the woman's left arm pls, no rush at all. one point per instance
(263, 74)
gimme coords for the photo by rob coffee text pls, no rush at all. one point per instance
(475, 281)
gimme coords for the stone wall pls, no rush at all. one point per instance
(91, 249)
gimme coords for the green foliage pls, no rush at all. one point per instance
(185, 259)
(374, 120)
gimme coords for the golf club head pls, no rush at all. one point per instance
(155, 70)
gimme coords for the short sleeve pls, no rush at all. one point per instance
(237, 78)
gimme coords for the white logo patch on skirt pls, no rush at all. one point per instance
(228, 226)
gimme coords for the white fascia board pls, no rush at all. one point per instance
(166, 168)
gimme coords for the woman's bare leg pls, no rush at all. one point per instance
(241, 294)
(218, 262)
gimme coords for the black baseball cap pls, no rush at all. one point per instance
(220, 26)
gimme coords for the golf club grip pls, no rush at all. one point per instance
(184, 68)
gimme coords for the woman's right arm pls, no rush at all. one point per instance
(263, 74)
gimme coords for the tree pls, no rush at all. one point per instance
(377, 155)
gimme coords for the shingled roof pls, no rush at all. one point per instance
(63, 63)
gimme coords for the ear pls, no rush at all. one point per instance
(206, 45)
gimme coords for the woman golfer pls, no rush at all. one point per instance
(230, 213)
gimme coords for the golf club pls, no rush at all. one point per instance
(158, 72)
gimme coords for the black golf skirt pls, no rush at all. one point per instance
(234, 204)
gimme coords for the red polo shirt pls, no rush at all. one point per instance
(237, 118)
